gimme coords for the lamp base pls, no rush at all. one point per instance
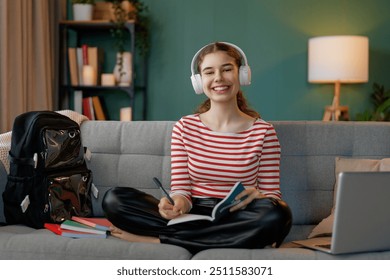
(333, 113)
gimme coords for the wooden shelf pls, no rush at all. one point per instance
(91, 22)
(80, 28)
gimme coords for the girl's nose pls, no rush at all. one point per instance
(218, 76)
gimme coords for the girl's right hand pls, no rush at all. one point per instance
(169, 211)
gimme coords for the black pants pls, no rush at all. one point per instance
(263, 222)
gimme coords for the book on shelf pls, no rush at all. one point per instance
(76, 226)
(78, 101)
(98, 223)
(98, 108)
(91, 108)
(95, 59)
(88, 110)
(73, 72)
(56, 228)
(219, 210)
(79, 58)
(84, 49)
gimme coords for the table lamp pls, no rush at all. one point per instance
(337, 59)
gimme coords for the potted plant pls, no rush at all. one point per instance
(381, 100)
(83, 9)
(123, 12)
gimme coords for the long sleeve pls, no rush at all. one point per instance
(180, 180)
(269, 165)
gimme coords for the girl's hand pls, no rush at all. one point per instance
(169, 211)
(251, 194)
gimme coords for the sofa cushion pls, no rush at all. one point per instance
(285, 253)
(22, 242)
(128, 154)
(342, 164)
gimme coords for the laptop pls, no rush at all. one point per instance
(361, 217)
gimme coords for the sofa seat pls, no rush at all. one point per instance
(22, 242)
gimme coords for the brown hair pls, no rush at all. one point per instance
(232, 52)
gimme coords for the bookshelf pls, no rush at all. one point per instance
(96, 33)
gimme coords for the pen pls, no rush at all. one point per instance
(158, 183)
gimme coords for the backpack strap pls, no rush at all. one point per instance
(21, 161)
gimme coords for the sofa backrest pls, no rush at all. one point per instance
(132, 153)
(128, 154)
(309, 149)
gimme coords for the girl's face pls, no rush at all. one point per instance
(220, 77)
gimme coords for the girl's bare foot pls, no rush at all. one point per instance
(117, 232)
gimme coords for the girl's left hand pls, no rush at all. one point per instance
(250, 194)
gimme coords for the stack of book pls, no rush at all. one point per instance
(92, 107)
(84, 55)
(80, 57)
(80, 227)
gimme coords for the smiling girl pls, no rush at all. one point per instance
(222, 143)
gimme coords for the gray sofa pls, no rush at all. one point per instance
(131, 153)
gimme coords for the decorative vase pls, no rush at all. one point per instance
(82, 11)
(123, 68)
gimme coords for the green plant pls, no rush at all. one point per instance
(142, 24)
(92, 2)
(381, 101)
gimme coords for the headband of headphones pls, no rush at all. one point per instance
(244, 71)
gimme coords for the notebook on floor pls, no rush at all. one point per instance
(361, 217)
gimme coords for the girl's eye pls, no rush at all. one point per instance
(227, 69)
(208, 73)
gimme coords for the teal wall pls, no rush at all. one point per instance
(274, 36)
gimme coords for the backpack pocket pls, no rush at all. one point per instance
(22, 203)
(63, 148)
(69, 195)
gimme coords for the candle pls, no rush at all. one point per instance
(108, 79)
(89, 75)
(125, 114)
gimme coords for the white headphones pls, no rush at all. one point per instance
(244, 71)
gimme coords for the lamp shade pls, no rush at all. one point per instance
(338, 58)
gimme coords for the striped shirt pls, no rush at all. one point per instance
(206, 163)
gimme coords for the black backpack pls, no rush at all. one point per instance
(48, 180)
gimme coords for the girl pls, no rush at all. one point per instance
(222, 143)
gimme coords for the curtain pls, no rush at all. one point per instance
(28, 76)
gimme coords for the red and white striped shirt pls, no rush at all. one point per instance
(205, 163)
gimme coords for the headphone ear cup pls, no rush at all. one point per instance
(197, 83)
(245, 75)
